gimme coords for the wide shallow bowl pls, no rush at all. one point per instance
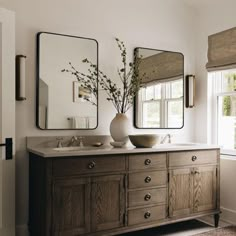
(144, 140)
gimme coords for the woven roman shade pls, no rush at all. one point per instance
(161, 66)
(222, 50)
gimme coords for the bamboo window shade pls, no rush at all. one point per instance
(161, 66)
(222, 50)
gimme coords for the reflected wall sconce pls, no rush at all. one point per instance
(190, 91)
(20, 78)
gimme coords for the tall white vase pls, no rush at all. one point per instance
(120, 127)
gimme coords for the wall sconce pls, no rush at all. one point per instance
(20, 77)
(190, 91)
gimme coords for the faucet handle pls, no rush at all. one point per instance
(59, 142)
(81, 138)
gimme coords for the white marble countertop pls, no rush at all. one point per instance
(47, 152)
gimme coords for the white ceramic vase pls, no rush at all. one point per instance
(119, 128)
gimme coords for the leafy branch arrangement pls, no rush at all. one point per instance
(122, 98)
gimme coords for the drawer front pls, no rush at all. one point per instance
(147, 179)
(146, 215)
(147, 161)
(73, 166)
(192, 158)
(146, 197)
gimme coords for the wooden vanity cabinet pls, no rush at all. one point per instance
(114, 194)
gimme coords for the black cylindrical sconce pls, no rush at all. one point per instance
(20, 78)
(190, 91)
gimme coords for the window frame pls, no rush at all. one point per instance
(164, 100)
(216, 86)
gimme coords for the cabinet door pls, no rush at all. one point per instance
(180, 192)
(204, 196)
(71, 206)
(108, 202)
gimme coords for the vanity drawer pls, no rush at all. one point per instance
(147, 179)
(74, 166)
(147, 196)
(147, 161)
(192, 158)
(145, 215)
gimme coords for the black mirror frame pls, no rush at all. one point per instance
(37, 76)
(135, 98)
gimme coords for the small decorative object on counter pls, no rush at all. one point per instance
(119, 128)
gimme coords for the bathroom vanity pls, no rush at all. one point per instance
(117, 190)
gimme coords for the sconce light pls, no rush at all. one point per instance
(20, 77)
(190, 91)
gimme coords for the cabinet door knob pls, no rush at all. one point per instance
(147, 197)
(147, 162)
(194, 158)
(148, 179)
(196, 172)
(147, 215)
(91, 165)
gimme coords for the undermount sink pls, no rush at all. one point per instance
(86, 148)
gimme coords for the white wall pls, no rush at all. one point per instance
(228, 190)
(160, 24)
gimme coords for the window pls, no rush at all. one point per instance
(162, 104)
(224, 98)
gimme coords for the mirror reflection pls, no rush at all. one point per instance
(62, 101)
(159, 103)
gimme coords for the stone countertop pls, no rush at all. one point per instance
(48, 152)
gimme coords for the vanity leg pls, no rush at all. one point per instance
(216, 219)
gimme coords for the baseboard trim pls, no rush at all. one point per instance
(228, 215)
(22, 230)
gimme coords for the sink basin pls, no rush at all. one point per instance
(69, 149)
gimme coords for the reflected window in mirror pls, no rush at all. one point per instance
(63, 102)
(159, 103)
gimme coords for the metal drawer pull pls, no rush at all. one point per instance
(148, 179)
(91, 165)
(147, 197)
(147, 162)
(196, 172)
(147, 215)
(194, 158)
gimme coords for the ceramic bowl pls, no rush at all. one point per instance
(144, 140)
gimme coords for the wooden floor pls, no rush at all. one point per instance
(186, 228)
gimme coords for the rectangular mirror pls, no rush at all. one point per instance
(63, 101)
(160, 100)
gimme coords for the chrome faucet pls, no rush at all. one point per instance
(72, 141)
(76, 139)
(81, 144)
(165, 137)
(59, 142)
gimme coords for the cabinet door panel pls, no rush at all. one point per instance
(180, 192)
(71, 204)
(204, 197)
(107, 202)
